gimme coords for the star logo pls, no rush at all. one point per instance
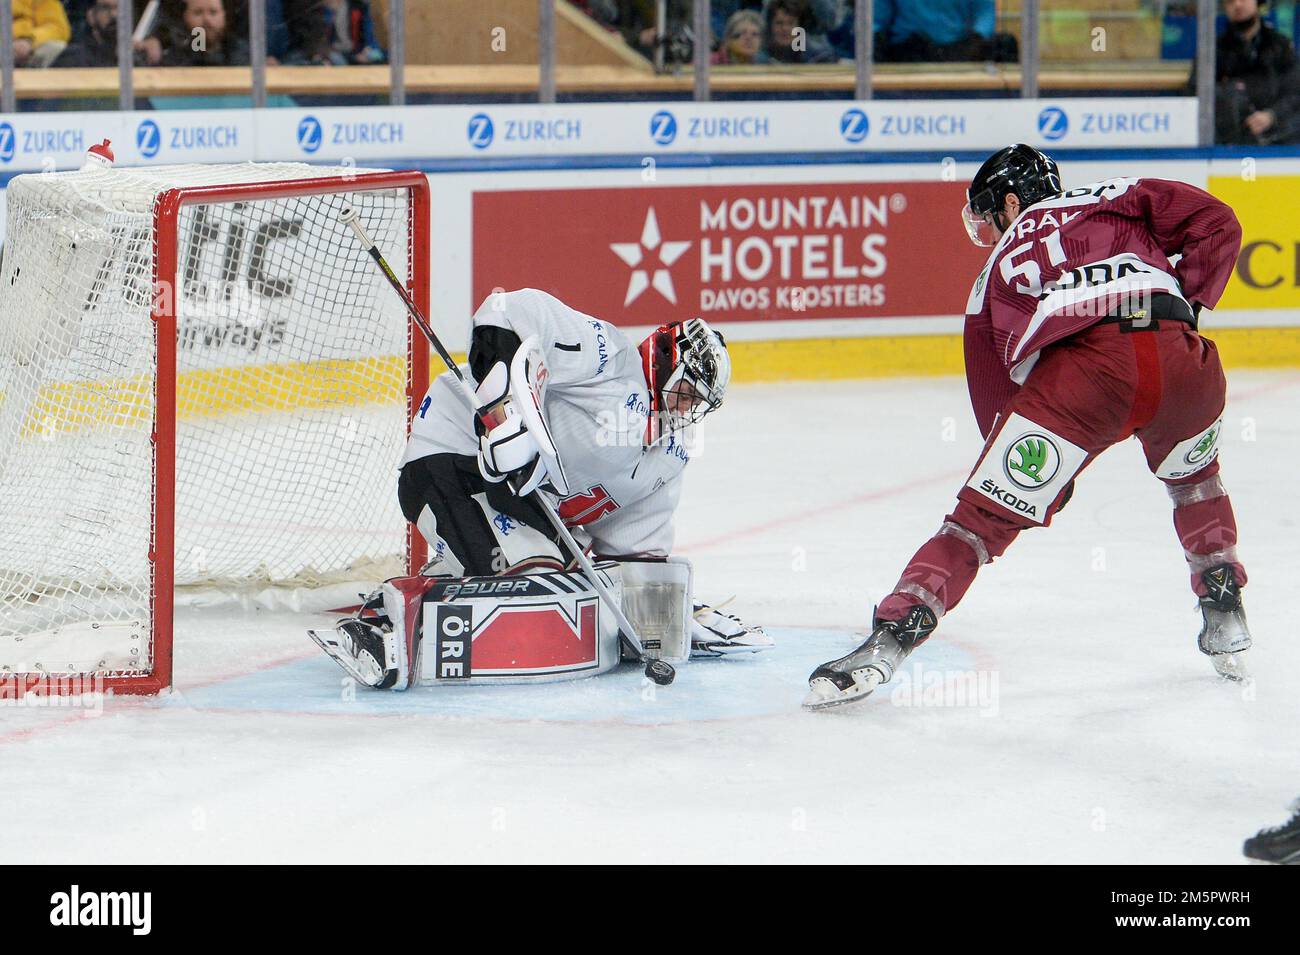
(634, 253)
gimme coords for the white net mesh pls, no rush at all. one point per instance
(290, 401)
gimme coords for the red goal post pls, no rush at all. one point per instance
(235, 265)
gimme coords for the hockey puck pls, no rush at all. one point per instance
(659, 672)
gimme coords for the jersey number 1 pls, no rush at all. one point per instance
(590, 505)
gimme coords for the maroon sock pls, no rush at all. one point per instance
(1208, 532)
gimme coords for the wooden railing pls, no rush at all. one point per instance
(617, 81)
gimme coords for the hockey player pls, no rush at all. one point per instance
(606, 446)
(1079, 333)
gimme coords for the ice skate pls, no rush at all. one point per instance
(855, 676)
(360, 644)
(715, 634)
(1279, 845)
(1224, 637)
(358, 647)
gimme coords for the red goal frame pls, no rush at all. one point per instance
(166, 215)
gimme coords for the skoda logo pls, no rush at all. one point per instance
(8, 141)
(1201, 450)
(854, 125)
(663, 127)
(1053, 124)
(479, 132)
(1032, 461)
(148, 139)
(310, 135)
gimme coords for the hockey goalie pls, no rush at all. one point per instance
(568, 406)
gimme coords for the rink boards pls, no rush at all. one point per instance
(822, 237)
(882, 291)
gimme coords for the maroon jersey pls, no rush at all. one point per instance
(1072, 260)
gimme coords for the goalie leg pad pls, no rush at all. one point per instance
(657, 601)
(403, 599)
(527, 628)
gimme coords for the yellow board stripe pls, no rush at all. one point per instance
(348, 383)
(832, 358)
(1257, 347)
(217, 392)
(813, 359)
(291, 386)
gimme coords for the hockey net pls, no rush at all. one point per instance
(204, 381)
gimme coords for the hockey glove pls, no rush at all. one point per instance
(505, 447)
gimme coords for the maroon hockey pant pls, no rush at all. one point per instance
(1095, 389)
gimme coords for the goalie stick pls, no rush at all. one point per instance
(658, 671)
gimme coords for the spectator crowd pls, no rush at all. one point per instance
(810, 31)
(83, 33)
(1257, 82)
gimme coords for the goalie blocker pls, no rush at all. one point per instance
(526, 628)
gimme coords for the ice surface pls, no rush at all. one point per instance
(1081, 725)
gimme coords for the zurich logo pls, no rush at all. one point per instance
(310, 134)
(854, 125)
(663, 127)
(8, 142)
(1053, 123)
(148, 139)
(480, 131)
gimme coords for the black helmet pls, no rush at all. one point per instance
(1030, 174)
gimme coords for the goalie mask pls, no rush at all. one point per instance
(687, 369)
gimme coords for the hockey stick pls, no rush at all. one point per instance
(659, 671)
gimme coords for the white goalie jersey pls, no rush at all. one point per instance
(623, 492)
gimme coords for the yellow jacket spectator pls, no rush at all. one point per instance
(41, 32)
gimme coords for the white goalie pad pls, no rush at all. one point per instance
(529, 628)
(528, 382)
(657, 601)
